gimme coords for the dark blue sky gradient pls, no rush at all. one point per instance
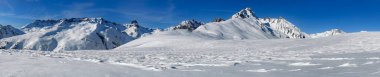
(310, 15)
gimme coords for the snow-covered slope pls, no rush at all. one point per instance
(332, 32)
(135, 30)
(242, 25)
(9, 31)
(69, 34)
(246, 25)
(283, 28)
(187, 25)
(347, 55)
(236, 28)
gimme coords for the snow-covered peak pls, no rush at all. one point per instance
(284, 28)
(331, 32)
(41, 25)
(188, 24)
(133, 23)
(245, 13)
(9, 31)
(237, 29)
(135, 30)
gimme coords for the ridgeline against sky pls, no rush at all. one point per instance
(310, 15)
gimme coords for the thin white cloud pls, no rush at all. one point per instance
(7, 14)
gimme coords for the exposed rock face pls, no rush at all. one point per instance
(135, 30)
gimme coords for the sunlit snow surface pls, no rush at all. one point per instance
(348, 55)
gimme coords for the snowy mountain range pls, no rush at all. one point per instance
(9, 31)
(69, 34)
(100, 34)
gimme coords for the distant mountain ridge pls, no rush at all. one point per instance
(9, 31)
(331, 32)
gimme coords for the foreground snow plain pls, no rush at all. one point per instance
(347, 55)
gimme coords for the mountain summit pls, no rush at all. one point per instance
(245, 13)
(187, 25)
(135, 30)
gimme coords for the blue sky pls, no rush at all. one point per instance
(310, 15)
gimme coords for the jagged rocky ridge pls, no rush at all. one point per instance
(187, 25)
(135, 30)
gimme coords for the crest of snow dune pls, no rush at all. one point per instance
(69, 34)
(283, 28)
(332, 32)
(245, 13)
(135, 30)
(188, 24)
